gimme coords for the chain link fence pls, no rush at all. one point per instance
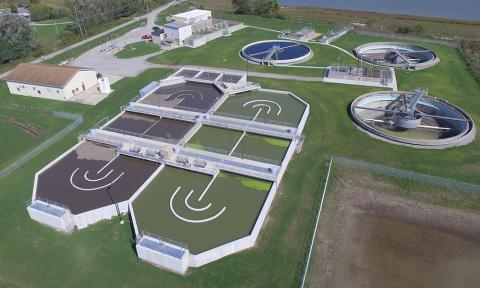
(469, 188)
(410, 175)
(290, 24)
(397, 37)
(77, 120)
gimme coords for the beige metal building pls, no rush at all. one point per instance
(192, 16)
(50, 81)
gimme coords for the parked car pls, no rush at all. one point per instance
(147, 37)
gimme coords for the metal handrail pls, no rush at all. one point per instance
(161, 239)
(262, 120)
(51, 202)
(146, 136)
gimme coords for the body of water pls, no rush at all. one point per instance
(452, 9)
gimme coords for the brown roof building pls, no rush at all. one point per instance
(50, 81)
(44, 74)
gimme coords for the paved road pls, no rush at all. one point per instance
(150, 22)
(116, 69)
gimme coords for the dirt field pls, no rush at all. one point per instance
(368, 238)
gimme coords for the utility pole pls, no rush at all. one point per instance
(56, 30)
(85, 30)
(78, 22)
(146, 5)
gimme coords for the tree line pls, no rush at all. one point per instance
(19, 39)
(264, 8)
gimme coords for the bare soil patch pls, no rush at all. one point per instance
(27, 127)
(369, 238)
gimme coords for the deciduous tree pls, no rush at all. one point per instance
(17, 38)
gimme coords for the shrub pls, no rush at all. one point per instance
(470, 52)
(404, 30)
(40, 12)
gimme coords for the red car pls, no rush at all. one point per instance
(147, 37)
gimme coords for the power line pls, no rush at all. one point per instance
(85, 18)
(78, 21)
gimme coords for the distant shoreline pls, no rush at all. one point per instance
(379, 14)
(304, 5)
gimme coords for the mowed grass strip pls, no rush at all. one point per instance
(137, 49)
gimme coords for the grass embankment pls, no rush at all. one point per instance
(224, 52)
(389, 23)
(470, 51)
(137, 49)
(274, 23)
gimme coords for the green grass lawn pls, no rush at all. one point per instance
(35, 256)
(227, 51)
(137, 49)
(15, 141)
(352, 40)
(47, 34)
(274, 23)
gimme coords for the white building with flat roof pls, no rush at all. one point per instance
(192, 16)
(177, 32)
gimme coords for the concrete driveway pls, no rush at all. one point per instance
(115, 69)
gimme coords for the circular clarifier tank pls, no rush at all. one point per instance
(276, 52)
(397, 55)
(413, 119)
